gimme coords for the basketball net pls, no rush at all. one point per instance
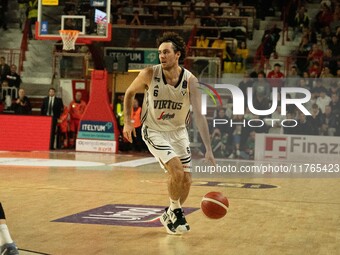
(69, 38)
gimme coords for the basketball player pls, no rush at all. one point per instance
(168, 92)
(7, 246)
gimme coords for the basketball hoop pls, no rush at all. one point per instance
(69, 38)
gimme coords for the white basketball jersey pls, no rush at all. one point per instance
(166, 107)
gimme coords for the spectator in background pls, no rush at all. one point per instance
(314, 120)
(323, 100)
(52, 106)
(301, 20)
(137, 141)
(155, 20)
(32, 15)
(136, 20)
(328, 122)
(261, 85)
(302, 53)
(276, 77)
(334, 45)
(334, 89)
(317, 88)
(329, 60)
(22, 105)
(13, 78)
(202, 41)
(63, 129)
(246, 83)
(210, 21)
(76, 110)
(325, 73)
(315, 70)
(176, 19)
(248, 149)
(315, 54)
(242, 54)
(4, 69)
(335, 103)
(323, 18)
(192, 20)
(292, 78)
(22, 13)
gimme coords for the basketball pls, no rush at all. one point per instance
(214, 205)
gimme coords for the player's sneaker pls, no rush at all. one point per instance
(165, 220)
(9, 249)
(178, 220)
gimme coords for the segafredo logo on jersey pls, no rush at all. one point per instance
(239, 108)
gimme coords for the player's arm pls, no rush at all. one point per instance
(200, 120)
(139, 85)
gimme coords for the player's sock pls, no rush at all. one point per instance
(4, 234)
(174, 204)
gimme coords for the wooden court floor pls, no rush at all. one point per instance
(295, 216)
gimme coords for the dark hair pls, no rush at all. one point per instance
(51, 89)
(177, 41)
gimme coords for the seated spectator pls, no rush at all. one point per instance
(246, 83)
(136, 19)
(317, 88)
(315, 70)
(315, 54)
(327, 33)
(13, 78)
(261, 85)
(210, 21)
(192, 20)
(156, 19)
(314, 121)
(328, 122)
(232, 11)
(220, 43)
(4, 69)
(242, 54)
(301, 20)
(293, 78)
(302, 53)
(276, 77)
(325, 73)
(334, 89)
(218, 144)
(202, 41)
(334, 45)
(248, 149)
(335, 103)
(22, 104)
(323, 18)
(329, 61)
(323, 100)
(175, 20)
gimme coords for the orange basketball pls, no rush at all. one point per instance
(214, 205)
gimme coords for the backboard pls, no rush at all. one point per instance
(90, 17)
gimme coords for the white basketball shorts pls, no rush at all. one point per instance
(165, 145)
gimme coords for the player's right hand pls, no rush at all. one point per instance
(128, 130)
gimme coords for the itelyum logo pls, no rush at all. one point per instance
(276, 147)
(122, 215)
